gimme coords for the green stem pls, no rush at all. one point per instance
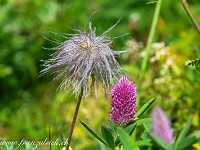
(145, 60)
(148, 47)
(74, 119)
(189, 12)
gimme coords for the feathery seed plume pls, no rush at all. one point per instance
(84, 61)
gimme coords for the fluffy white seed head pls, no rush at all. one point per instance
(85, 61)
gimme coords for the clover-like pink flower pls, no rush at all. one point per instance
(123, 105)
(161, 125)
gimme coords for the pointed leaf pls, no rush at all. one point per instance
(128, 143)
(144, 107)
(92, 132)
(160, 142)
(183, 133)
(190, 140)
(107, 135)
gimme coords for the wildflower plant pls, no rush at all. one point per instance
(162, 136)
(161, 125)
(84, 61)
(123, 117)
(159, 136)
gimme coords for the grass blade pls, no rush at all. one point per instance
(92, 132)
(144, 107)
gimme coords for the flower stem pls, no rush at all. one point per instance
(148, 47)
(74, 119)
(145, 60)
(189, 12)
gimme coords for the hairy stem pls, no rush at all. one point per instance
(189, 12)
(74, 119)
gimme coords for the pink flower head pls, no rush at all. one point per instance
(123, 101)
(161, 125)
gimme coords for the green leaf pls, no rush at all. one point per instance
(129, 129)
(160, 142)
(128, 143)
(92, 132)
(147, 126)
(112, 124)
(143, 121)
(143, 143)
(107, 135)
(144, 107)
(145, 135)
(190, 140)
(183, 133)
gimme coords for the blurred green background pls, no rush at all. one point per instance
(30, 104)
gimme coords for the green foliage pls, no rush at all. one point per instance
(181, 142)
(195, 63)
(183, 134)
(29, 104)
(94, 134)
(107, 135)
(128, 143)
(144, 107)
(161, 142)
(189, 140)
(120, 135)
